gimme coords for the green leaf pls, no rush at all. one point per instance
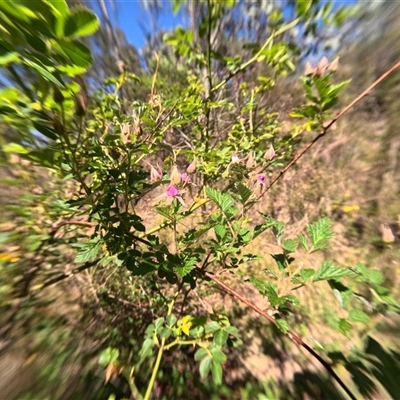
(344, 325)
(375, 277)
(78, 53)
(171, 320)
(330, 271)
(213, 327)
(244, 192)
(218, 356)
(270, 290)
(276, 226)
(81, 22)
(108, 356)
(44, 72)
(306, 274)
(282, 325)
(267, 289)
(88, 251)
(320, 232)
(303, 241)
(205, 366)
(221, 337)
(158, 323)
(14, 148)
(45, 130)
(220, 232)
(223, 200)
(289, 245)
(200, 354)
(358, 316)
(216, 371)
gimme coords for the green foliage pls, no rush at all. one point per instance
(109, 151)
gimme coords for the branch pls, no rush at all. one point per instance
(295, 338)
(326, 128)
(67, 275)
(257, 55)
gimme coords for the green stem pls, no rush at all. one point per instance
(160, 353)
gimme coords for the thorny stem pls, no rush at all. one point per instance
(326, 128)
(295, 338)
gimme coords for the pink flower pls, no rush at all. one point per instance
(185, 177)
(172, 191)
(261, 178)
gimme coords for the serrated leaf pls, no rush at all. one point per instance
(303, 241)
(282, 325)
(341, 292)
(289, 245)
(267, 289)
(375, 277)
(344, 325)
(220, 231)
(276, 226)
(244, 192)
(186, 268)
(88, 251)
(306, 274)
(320, 232)
(205, 366)
(223, 200)
(164, 211)
(358, 316)
(330, 271)
(216, 371)
(200, 354)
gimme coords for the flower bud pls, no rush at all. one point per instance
(251, 161)
(57, 95)
(309, 69)
(155, 175)
(270, 154)
(334, 65)
(191, 169)
(80, 106)
(175, 176)
(322, 66)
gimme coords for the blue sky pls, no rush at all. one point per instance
(130, 15)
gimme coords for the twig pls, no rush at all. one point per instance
(295, 338)
(68, 274)
(326, 128)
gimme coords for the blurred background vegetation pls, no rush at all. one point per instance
(56, 343)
